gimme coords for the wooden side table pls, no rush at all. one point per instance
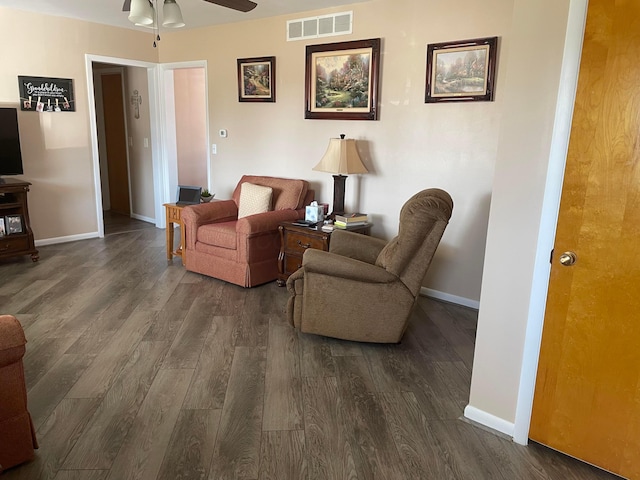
(13, 203)
(294, 240)
(173, 213)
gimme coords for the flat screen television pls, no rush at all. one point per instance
(10, 153)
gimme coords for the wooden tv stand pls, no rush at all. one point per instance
(13, 201)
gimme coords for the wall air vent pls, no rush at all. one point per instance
(323, 26)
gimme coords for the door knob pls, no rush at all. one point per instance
(568, 258)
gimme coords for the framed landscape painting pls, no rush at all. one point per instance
(257, 79)
(461, 71)
(341, 80)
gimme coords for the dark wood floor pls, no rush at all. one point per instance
(137, 369)
(115, 223)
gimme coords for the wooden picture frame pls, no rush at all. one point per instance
(461, 71)
(257, 79)
(341, 80)
(13, 224)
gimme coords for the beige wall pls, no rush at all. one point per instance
(412, 146)
(139, 129)
(56, 147)
(191, 128)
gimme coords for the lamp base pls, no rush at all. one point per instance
(338, 195)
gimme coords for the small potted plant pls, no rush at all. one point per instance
(206, 196)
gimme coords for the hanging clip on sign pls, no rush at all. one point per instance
(44, 94)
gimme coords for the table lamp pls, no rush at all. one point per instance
(341, 157)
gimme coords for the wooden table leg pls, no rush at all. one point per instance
(169, 230)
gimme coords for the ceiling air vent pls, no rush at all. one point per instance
(323, 26)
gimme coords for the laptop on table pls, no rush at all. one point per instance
(188, 195)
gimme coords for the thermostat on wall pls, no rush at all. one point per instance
(223, 133)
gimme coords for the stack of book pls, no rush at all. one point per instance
(348, 220)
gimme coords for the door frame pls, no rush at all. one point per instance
(549, 218)
(159, 169)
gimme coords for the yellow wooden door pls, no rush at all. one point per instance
(587, 398)
(116, 142)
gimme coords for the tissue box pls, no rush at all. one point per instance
(314, 213)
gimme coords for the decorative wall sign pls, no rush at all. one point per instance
(461, 71)
(341, 80)
(44, 94)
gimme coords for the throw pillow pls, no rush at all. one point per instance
(254, 199)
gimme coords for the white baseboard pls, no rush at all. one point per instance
(483, 418)
(466, 302)
(68, 238)
(143, 218)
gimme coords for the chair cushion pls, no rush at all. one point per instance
(254, 199)
(221, 234)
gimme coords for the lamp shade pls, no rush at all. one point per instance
(172, 15)
(141, 12)
(341, 157)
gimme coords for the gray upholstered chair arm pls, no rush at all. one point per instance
(355, 245)
(328, 263)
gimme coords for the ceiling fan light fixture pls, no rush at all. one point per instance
(141, 12)
(172, 15)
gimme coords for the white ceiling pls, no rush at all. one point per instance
(196, 13)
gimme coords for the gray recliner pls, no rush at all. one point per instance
(364, 288)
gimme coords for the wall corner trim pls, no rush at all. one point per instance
(488, 420)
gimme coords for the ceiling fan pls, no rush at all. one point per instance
(240, 5)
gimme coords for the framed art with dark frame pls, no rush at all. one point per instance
(257, 79)
(461, 71)
(341, 80)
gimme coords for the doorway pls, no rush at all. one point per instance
(162, 170)
(186, 125)
(586, 400)
(125, 159)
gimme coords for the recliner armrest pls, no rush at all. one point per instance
(328, 263)
(265, 222)
(355, 245)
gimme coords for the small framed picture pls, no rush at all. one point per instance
(461, 71)
(257, 79)
(13, 224)
(2, 230)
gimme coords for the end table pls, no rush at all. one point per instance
(294, 240)
(173, 213)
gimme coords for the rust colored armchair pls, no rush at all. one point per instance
(364, 288)
(242, 250)
(17, 435)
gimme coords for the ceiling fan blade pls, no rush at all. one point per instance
(240, 5)
(126, 7)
